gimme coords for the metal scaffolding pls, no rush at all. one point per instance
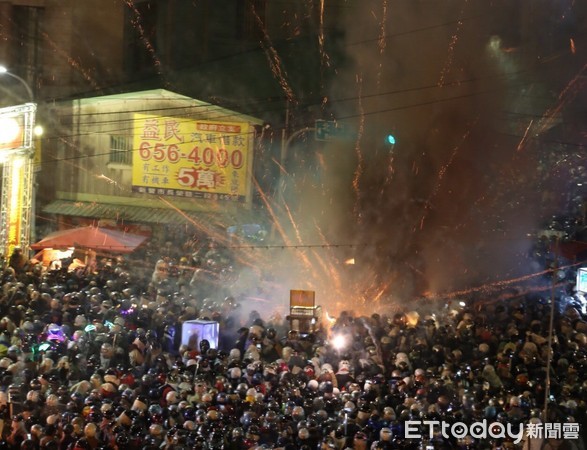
(16, 198)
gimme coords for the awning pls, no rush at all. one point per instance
(96, 238)
(140, 214)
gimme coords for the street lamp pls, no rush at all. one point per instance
(286, 143)
(4, 71)
(16, 151)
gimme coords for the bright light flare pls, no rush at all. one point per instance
(412, 318)
(9, 130)
(339, 342)
(63, 254)
(350, 262)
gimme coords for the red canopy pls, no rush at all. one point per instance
(95, 238)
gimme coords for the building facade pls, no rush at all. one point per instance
(147, 159)
(78, 56)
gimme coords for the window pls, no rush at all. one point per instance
(120, 150)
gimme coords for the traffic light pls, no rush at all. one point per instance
(390, 139)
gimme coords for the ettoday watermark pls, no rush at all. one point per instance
(416, 429)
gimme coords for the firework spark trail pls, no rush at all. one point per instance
(360, 161)
(415, 269)
(451, 48)
(440, 177)
(281, 168)
(324, 56)
(209, 231)
(329, 271)
(274, 217)
(570, 91)
(489, 287)
(523, 141)
(109, 181)
(328, 268)
(547, 120)
(258, 299)
(73, 63)
(220, 237)
(305, 259)
(273, 59)
(379, 290)
(566, 95)
(372, 293)
(293, 223)
(388, 175)
(72, 163)
(136, 22)
(381, 42)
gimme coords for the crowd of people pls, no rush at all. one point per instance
(95, 360)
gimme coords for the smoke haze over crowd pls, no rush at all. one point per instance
(470, 90)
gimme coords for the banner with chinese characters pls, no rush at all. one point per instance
(191, 158)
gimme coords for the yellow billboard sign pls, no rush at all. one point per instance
(14, 211)
(191, 158)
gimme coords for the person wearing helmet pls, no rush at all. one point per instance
(18, 432)
(204, 346)
(18, 261)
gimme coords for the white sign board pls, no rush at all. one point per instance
(193, 331)
(582, 279)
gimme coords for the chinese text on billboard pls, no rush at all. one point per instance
(191, 158)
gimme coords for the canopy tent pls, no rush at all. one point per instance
(95, 238)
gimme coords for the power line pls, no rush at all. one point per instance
(191, 108)
(428, 103)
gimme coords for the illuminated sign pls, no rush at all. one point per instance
(16, 131)
(582, 279)
(16, 128)
(191, 158)
(11, 134)
(305, 299)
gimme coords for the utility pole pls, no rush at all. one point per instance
(550, 332)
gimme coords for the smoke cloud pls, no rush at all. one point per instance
(451, 206)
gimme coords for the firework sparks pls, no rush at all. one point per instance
(72, 62)
(272, 213)
(323, 54)
(330, 269)
(382, 39)
(451, 48)
(210, 231)
(293, 223)
(360, 162)
(137, 23)
(108, 180)
(274, 60)
(439, 179)
(523, 140)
